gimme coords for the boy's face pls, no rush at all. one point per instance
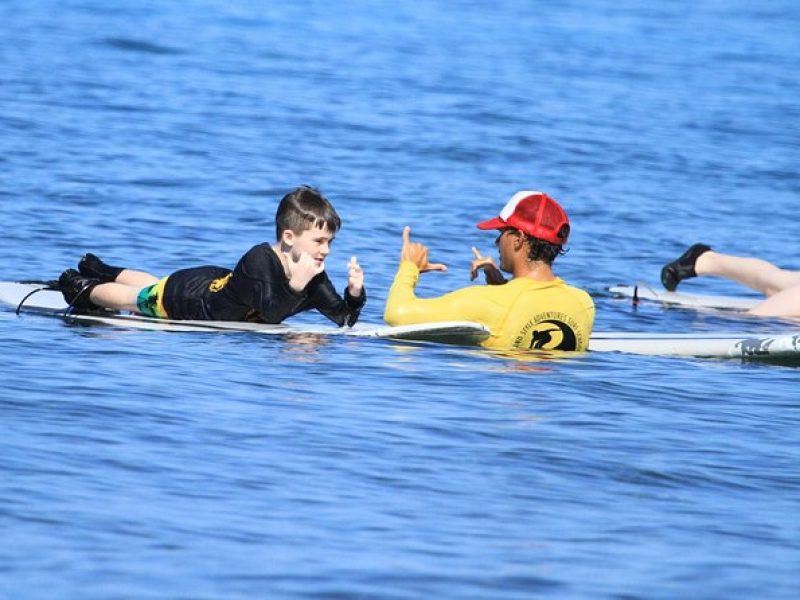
(315, 242)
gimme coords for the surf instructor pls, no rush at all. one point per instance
(534, 310)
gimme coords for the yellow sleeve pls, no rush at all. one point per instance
(404, 308)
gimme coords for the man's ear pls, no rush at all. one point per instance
(519, 241)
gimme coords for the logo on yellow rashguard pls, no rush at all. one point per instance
(220, 283)
(553, 335)
(554, 331)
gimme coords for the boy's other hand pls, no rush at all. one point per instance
(490, 270)
(418, 254)
(355, 277)
(302, 270)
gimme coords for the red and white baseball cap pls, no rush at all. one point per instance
(534, 213)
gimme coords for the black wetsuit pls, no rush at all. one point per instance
(256, 290)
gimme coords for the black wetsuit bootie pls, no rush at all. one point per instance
(76, 289)
(91, 266)
(682, 267)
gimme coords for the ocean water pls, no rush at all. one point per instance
(161, 135)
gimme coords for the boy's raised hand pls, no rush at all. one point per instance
(355, 278)
(418, 254)
(490, 270)
(302, 270)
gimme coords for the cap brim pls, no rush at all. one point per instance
(496, 223)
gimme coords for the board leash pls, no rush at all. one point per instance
(46, 285)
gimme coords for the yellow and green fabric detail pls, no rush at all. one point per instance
(150, 300)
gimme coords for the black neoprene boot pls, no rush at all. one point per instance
(91, 266)
(682, 267)
(76, 289)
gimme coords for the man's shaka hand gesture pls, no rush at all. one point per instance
(486, 264)
(418, 254)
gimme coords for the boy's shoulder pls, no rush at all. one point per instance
(259, 258)
(261, 251)
(263, 247)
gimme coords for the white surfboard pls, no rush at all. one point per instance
(32, 298)
(652, 294)
(783, 346)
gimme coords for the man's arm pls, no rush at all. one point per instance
(404, 308)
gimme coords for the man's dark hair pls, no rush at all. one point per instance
(305, 208)
(545, 251)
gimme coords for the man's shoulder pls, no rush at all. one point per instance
(558, 285)
(578, 292)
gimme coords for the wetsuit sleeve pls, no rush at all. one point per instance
(341, 311)
(404, 308)
(260, 285)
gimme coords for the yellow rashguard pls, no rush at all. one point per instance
(523, 313)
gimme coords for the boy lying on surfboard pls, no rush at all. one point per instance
(534, 310)
(269, 283)
(780, 286)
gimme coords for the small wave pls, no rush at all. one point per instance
(130, 45)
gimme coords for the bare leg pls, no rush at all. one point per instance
(137, 279)
(785, 303)
(755, 273)
(116, 296)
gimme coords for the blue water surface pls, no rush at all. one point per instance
(161, 135)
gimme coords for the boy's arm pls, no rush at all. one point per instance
(261, 285)
(324, 298)
(267, 291)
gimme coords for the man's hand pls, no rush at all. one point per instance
(418, 254)
(302, 270)
(355, 278)
(490, 270)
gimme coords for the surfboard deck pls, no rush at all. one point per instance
(782, 346)
(51, 303)
(653, 294)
